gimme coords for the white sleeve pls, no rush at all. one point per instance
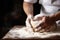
(40, 1)
(30, 1)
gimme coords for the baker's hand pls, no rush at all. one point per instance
(47, 21)
(28, 20)
(47, 25)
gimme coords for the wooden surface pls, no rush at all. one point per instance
(11, 35)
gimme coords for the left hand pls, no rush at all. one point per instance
(46, 24)
(48, 20)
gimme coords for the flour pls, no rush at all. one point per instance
(25, 33)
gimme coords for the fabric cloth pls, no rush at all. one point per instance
(30, 1)
(49, 6)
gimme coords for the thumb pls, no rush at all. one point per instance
(43, 19)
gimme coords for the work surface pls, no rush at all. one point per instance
(21, 32)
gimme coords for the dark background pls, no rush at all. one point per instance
(12, 14)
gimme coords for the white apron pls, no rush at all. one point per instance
(49, 7)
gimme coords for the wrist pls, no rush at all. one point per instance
(56, 16)
(53, 18)
(29, 16)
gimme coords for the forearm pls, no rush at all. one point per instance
(56, 16)
(28, 8)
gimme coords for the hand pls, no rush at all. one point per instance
(49, 24)
(46, 23)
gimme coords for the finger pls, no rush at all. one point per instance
(40, 25)
(38, 29)
(38, 18)
(42, 30)
(46, 20)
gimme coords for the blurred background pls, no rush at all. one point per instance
(12, 14)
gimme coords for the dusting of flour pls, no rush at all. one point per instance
(25, 32)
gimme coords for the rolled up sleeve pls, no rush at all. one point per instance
(40, 1)
(30, 1)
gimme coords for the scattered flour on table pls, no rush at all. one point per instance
(28, 33)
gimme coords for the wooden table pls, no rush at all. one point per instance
(14, 34)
